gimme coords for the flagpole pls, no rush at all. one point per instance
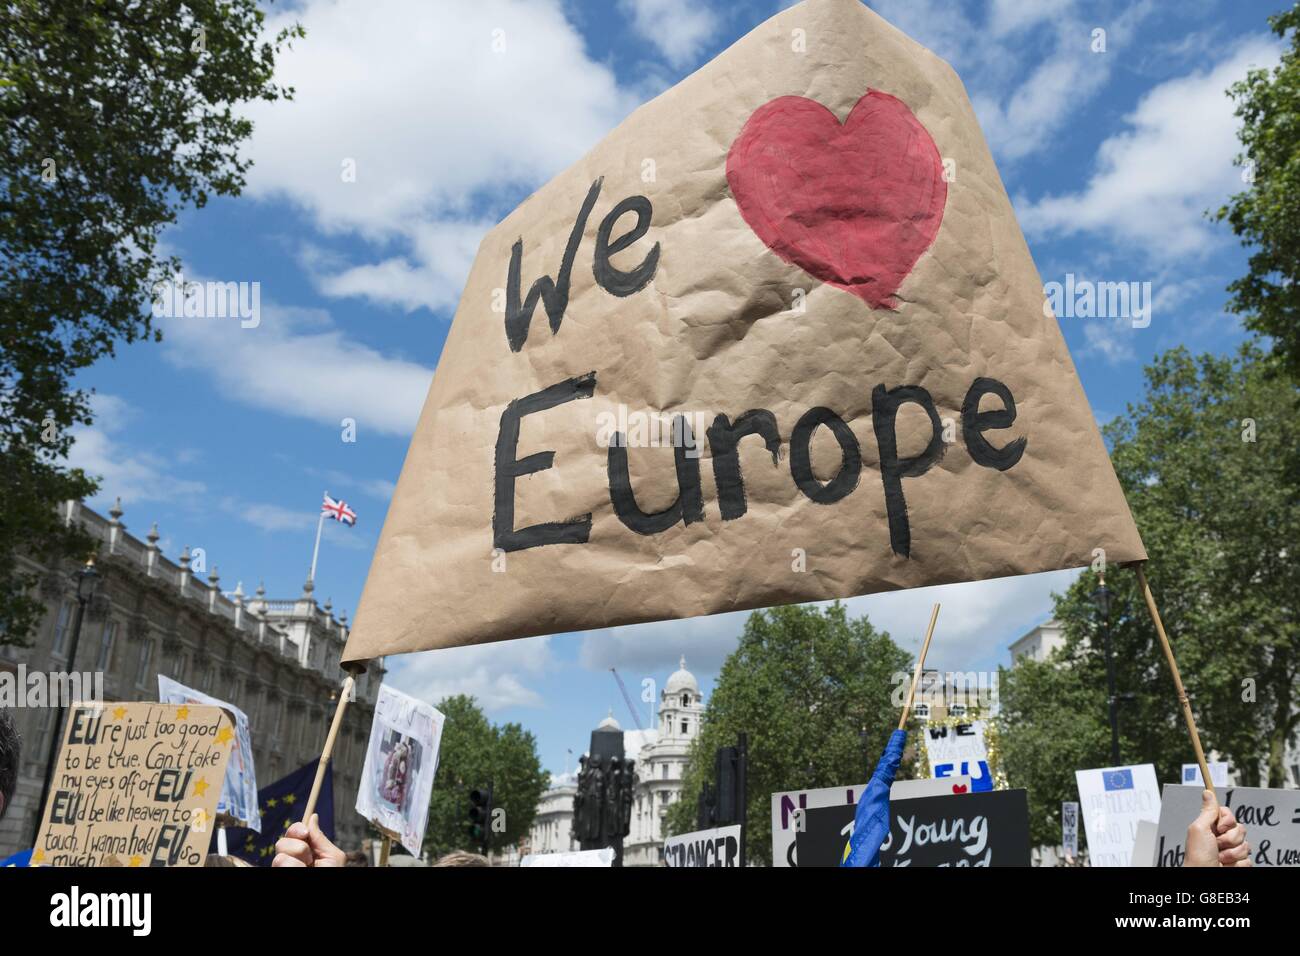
(1178, 680)
(315, 552)
(920, 662)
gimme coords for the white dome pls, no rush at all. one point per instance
(681, 680)
(609, 723)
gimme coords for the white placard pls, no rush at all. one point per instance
(1070, 828)
(1218, 773)
(708, 849)
(1113, 801)
(401, 759)
(784, 806)
(239, 786)
(958, 751)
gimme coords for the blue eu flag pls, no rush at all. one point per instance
(281, 803)
(1117, 779)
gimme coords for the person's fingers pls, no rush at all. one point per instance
(1244, 862)
(1234, 855)
(1227, 820)
(1204, 822)
(298, 831)
(1230, 838)
(291, 852)
(326, 853)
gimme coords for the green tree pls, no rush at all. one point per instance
(113, 118)
(812, 688)
(1266, 213)
(475, 752)
(1208, 463)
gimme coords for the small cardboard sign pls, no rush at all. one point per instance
(1271, 819)
(959, 750)
(135, 785)
(707, 849)
(401, 759)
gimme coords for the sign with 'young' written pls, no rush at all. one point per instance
(777, 338)
(135, 785)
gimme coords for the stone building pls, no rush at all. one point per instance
(552, 829)
(277, 660)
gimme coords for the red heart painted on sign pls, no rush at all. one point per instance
(959, 788)
(853, 204)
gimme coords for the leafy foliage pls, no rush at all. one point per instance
(113, 118)
(1209, 463)
(475, 753)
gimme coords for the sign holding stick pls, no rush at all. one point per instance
(345, 695)
(920, 663)
(1178, 680)
(135, 785)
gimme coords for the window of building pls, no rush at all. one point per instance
(684, 726)
(104, 662)
(146, 658)
(665, 773)
(686, 700)
(61, 627)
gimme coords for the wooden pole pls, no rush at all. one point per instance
(344, 695)
(384, 848)
(1178, 680)
(920, 662)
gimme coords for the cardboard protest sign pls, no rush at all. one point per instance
(977, 829)
(401, 759)
(135, 785)
(1271, 819)
(707, 849)
(602, 857)
(238, 798)
(959, 750)
(788, 806)
(777, 338)
(1113, 801)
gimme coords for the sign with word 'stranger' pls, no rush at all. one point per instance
(708, 849)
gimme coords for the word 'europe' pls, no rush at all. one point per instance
(725, 434)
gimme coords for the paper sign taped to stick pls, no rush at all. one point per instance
(777, 338)
(401, 759)
(1271, 819)
(135, 785)
(238, 798)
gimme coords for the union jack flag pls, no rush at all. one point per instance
(338, 510)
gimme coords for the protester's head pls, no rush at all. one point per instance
(356, 858)
(223, 860)
(462, 858)
(10, 749)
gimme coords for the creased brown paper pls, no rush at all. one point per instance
(797, 290)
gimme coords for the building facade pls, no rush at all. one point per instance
(660, 764)
(276, 660)
(1039, 643)
(552, 829)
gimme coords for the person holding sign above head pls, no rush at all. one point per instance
(1215, 838)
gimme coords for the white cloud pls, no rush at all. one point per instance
(679, 29)
(296, 363)
(1155, 179)
(435, 106)
(135, 476)
(492, 673)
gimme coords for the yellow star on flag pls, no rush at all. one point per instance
(200, 787)
(291, 798)
(38, 856)
(225, 735)
(272, 803)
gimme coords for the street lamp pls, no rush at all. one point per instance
(1101, 598)
(86, 580)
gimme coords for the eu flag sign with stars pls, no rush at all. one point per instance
(281, 804)
(1117, 779)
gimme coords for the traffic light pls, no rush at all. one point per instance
(480, 817)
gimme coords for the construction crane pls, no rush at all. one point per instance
(627, 698)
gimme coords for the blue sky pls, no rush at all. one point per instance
(227, 437)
